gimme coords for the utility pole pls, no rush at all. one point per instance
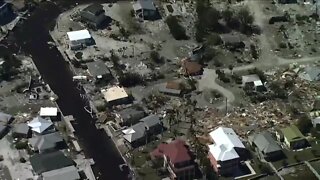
(226, 105)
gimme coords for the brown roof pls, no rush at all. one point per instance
(191, 67)
(176, 151)
(173, 85)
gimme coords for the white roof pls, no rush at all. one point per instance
(250, 78)
(114, 93)
(128, 131)
(222, 152)
(78, 35)
(48, 111)
(225, 140)
(39, 124)
(316, 121)
(257, 83)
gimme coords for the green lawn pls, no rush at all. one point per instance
(302, 171)
(316, 165)
(147, 173)
(296, 156)
(139, 158)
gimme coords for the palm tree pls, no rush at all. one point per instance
(231, 68)
(170, 119)
(175, 133)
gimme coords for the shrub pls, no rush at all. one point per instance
(21, 145)
(254, 52)
(155, 57)
(23, 160)
(79, 55)
(282, 45)
(130, 79)
(177, 31)
(304, 124)
(214, 39)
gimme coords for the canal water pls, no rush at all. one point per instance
(31, 37)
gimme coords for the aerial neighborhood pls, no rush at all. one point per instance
(160, 90)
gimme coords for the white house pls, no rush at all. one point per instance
(115, 95)
(79, 39)
(48, 111)
(40, 125)
(226, 151)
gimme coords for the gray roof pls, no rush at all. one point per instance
(98, 68)
(66, 173)
(230, 38)
(150, 121)
(131, 113)
(265, 143)
(311, 73)
(144, 4)
(21, 128)
(95, 9)
(45, 142)
(137, 132)
(50, 161)
(5, 118)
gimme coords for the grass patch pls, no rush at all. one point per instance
(301, 171)
(316, 165)
(138, 158)
(170, 9)
(297, 156)
(147, 173)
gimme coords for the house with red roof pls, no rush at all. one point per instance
(177, 159)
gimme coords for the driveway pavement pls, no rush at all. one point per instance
(208, 81)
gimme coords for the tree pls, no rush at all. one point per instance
(23, 160)
(175, 133)
(227, 15)
(278, 90)
(130, 79)
(245, 19)
(254, 52)
(21, 145)
(208, 19)
(213, 39)
(177, 31)
(10, 67)
(315, 132)
(155, 57)
(231, 68)
(304, 124)
(209, 54)
(208, 170)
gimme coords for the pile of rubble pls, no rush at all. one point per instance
(254, 117)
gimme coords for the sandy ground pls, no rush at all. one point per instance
(207, 81)
(11, 160)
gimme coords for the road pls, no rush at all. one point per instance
(32, 36)
(207, 81)
(268, 58)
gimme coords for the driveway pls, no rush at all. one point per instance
(208, 81)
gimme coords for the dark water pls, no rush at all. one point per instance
(32, 37)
